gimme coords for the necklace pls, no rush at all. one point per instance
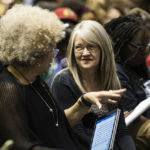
(51, 110)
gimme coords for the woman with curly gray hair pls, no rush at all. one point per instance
(29, 114)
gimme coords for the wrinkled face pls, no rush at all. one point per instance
(87, 56)
(137, 48)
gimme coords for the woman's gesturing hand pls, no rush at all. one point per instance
(103, 96)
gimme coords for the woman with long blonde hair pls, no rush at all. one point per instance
(91, 68)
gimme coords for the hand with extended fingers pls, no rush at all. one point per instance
(103, 96)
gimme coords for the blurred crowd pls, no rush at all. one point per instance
(72, 12)
(100, 10)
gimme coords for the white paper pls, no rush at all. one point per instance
(139, 109)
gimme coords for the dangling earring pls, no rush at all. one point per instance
(38, 64)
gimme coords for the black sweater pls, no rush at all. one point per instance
(26, 119)
(66, 93)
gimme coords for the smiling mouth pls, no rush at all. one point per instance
(86, 59)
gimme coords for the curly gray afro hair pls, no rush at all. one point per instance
(27, 33)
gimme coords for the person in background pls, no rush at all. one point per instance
(30, 116)
(80, 8)
(70, 19)
(91, 68)
(46, 4)
(141, 13)
(146, 18)
(60, 61)
(112, 13)
(67, 15)
(143, 4)
(105, 10)
(130, 38)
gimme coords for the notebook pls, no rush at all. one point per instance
(105, 131)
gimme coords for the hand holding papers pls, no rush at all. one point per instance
(139, 109)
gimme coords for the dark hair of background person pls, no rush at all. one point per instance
(46, 4)
(78, 6)
(116, 29)
(122, 30)
(130, 37)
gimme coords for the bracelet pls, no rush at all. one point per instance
(85, 102)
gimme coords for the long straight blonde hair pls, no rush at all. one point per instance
(94, 33)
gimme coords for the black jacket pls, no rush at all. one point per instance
(66, 93)
(26, 119)
(135, 89)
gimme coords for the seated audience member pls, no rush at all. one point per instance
(67, 15)
(146, 17)
(80, 8)
(91, 68)
(69, 18)
(29, 114)
(46, 4)
(130, 38)
(141, 13)
(112, 13)
(59, 61)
